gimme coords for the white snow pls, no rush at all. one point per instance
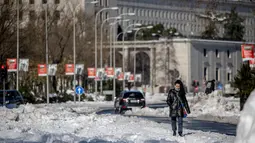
(71, 122)
(246, 128)
(213, 107)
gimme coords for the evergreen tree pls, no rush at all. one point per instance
(245, 82)
(234, 29)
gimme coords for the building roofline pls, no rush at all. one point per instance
(185, 40)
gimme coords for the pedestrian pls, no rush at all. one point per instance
(178, 106)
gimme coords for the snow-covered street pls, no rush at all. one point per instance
(78, 122)
(204, 107)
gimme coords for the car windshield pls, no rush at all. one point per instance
(133, 95)
(10, 95)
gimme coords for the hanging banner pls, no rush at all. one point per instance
(247, 52)
(252, 63)
(79, 69)
(42, 70)
(52, 69)
(131, 78)
(138, 77)
(110, 72)
(117, 72)
(91, 72)
(100, 73)
(23, 65)
(127, 75)
(11, 65)
(121, 76)
(69, 69)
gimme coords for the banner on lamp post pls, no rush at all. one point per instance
(121, 76)
(79, 69)
(100, 73)
(52, 70)
(91, 72)
(117, 72)
(131, 78)
(127, 75)
(247, 52)
(11, 65)
(42, 70)
(138, 77)
(110, 72)
(69, 69)
(23, 65)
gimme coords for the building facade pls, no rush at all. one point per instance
(182, 15)
(185, 59)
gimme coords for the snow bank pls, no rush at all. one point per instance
(155, 98)
(72, 123)
(215, 108)
(211, 107)
(246, 128)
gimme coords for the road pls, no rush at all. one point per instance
(189, 123)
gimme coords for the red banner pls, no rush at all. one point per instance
(69, 69)
(42, 70)
(91, 72)
(121, 76)
(131, 78)
(11, 65)
(110, 72)
(247, 52)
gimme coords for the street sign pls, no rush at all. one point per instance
(79, 90)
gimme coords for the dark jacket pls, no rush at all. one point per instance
(175, 108)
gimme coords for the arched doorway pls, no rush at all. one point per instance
(143, 67)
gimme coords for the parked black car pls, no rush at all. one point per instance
(128, 99)
(13, 98)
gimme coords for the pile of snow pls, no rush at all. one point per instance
(73, 123)
(213, 107)
(246, 128)
(155, 98)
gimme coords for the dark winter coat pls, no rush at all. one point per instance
(175, 108)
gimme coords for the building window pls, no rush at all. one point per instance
(229, 76)
(44, 1)
(57, 15)
(31, 1)
(20, 1)
(32, 15)
(217, 53)
(101, 2)
(205, 53)
(228, 53)
(106, 3)
(205, 73)
(217, 74)
(57, 1)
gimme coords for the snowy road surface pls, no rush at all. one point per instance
(69, 123)
(189, 123)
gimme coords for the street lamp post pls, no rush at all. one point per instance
(123, 49)
(112, 37)
(101, 49)
(17, 75)
(104, 9)
(114, 53)
(137, 30)
(74, 46)
(47, 52)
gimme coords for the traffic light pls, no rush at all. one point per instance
(3, 72)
